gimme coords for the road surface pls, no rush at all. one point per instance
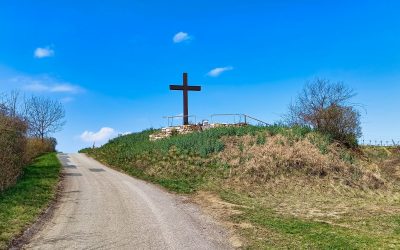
(101, 208)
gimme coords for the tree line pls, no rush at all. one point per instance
(26, 126)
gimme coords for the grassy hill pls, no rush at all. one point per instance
(275, 187)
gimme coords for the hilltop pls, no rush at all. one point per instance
(274, 186)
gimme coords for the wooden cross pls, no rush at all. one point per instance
(185, 88)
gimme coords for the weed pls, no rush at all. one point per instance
(260, 139)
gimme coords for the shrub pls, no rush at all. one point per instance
(325, 106)
(36, 147)
(12, 145)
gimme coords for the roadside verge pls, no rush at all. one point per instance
(26, 204)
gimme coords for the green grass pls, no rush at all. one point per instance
(311, 234)
(200, 143)
(21, 204)
(277, 231)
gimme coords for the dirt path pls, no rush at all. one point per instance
(101, 208)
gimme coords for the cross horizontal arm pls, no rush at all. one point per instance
(180, 87)
(175, 87)
(194, 88)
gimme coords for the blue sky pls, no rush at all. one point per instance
(110, 62)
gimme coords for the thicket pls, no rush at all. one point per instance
(12, 149)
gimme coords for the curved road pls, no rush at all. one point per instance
(101, 208)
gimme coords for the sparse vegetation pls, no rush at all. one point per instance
(294, 186)
(21, 204)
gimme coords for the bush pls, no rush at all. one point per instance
(13, 146)
(325, 106)
(36, 147)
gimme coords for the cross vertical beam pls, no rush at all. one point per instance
(185, 88)
(185, 100)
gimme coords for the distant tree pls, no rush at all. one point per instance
(325, 106)
(9, 104)
(44, 116)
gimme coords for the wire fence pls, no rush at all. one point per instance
(380, 143)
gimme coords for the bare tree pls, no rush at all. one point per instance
(10, 103)
(325, 106)
(44, 116)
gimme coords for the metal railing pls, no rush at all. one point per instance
(170, 119)
(237, 119)
(379, 143)
(243, 118)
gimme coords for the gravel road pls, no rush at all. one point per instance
(101, 208)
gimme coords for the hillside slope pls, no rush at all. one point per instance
(274, 186)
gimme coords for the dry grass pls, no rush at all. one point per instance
(254, 163)
(354, 193)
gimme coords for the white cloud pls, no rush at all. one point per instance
(102, 135)
(65, 87)
(218, 71)
(181, 37)
(43, 52)
(56, 88)
(67, 99)
(36, 87)
(45, 84)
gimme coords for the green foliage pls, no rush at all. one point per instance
(261, 139)
(84, 150)
(322, 141)
(21, 204)
(199, 143)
